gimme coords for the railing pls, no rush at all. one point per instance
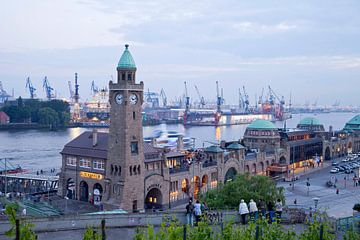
(179, 169)
(209, 164)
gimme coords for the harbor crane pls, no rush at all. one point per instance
(187, 104)
(219, 99)
(76, 96)
(48, 89)
(246, 100)
(241, 101)
(94, 89)
(163, 97)
(152, 98)
(3, 94)
(30, 87)
(201, 98)
(274, 96)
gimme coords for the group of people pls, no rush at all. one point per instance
(194, 211)
(266, 210)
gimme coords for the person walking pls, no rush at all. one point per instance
(197, 211)
(270, 207)
(253, 210)
(243, 211)
(262, 208)
(190, 213)
(278, 209)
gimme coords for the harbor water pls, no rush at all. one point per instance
(39, 149)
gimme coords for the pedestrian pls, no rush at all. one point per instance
(190, 213)
(197, 211)
(270, 208)
(37, 172)
(278, 209)
(243, 211)
(337, 191)
(295, 201)
(262, 208)
(253, 210)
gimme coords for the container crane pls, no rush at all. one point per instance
(187, 105)
(246, 100)
(201, 98)
(31, 88)
(48, 89)
(3, 94)
(94, 89)
(163, 97)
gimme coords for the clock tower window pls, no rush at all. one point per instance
(123, 76)
(134, 148)
(129, 77)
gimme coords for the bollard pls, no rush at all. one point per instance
(103, 235)
(321, 232)
(184, 233)
(17, 230)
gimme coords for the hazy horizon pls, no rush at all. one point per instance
(308, 48)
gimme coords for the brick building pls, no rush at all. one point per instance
(119, 170)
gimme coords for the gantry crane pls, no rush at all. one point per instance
(30, 87)
(246, 100)
(187, 104)
(201, 98)
(48, 89)
(163, 97)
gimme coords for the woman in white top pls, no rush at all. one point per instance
(253, 210)
(243, 210)
(197, 211)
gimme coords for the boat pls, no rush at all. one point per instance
(169, 139)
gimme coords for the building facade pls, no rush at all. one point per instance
(119, 170)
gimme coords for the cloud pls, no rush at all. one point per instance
(252, 27)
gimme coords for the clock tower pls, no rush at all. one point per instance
(125, 161)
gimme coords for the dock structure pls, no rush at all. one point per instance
(28, 183)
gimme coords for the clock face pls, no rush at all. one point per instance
(119, 98)
(133, 99)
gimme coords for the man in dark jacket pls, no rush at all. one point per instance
(190, 213)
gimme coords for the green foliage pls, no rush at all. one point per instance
(25, 228)
(244, 187)
(313, 231)
(351, 235)
(91, 234)
(33, 110)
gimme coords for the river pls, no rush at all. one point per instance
(40, 149)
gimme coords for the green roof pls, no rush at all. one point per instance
(214, 149)
(262, 124)
(235, 146)
(353, 124)
(126, 61)
(310, 121)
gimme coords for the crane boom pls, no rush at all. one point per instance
(30, 87)
(163, 97)
(201, 98)
(48, 89)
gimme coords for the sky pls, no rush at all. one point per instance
(309, 49)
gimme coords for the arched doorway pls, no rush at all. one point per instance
(197, 185)
(254, 168)
(247, 168)
(262, 167)
(349, 150)
(230, 175)
(84, 191)
(153, 199)
(282, 160)
(327, 153)
(185, 186)
(204, 180)
(98, 190)
(70, 189)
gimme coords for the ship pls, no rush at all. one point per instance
(98, 108)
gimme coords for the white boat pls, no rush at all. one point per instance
(168, 139)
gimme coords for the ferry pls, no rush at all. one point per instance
(169, 139)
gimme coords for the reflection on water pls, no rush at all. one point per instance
(39, 149)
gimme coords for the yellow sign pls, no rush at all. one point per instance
(91, 175)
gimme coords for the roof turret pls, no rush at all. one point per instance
(126, 60)
(262, 124)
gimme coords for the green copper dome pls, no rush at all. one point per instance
(262, 124)
(353, 124)
(214, 149)
(126, 61)
(235, 146)
(309, 121)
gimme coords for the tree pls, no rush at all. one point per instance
(25, 229)
(48, 116)
(245, 187)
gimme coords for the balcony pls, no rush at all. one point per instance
(209, 164)
(179, 169)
